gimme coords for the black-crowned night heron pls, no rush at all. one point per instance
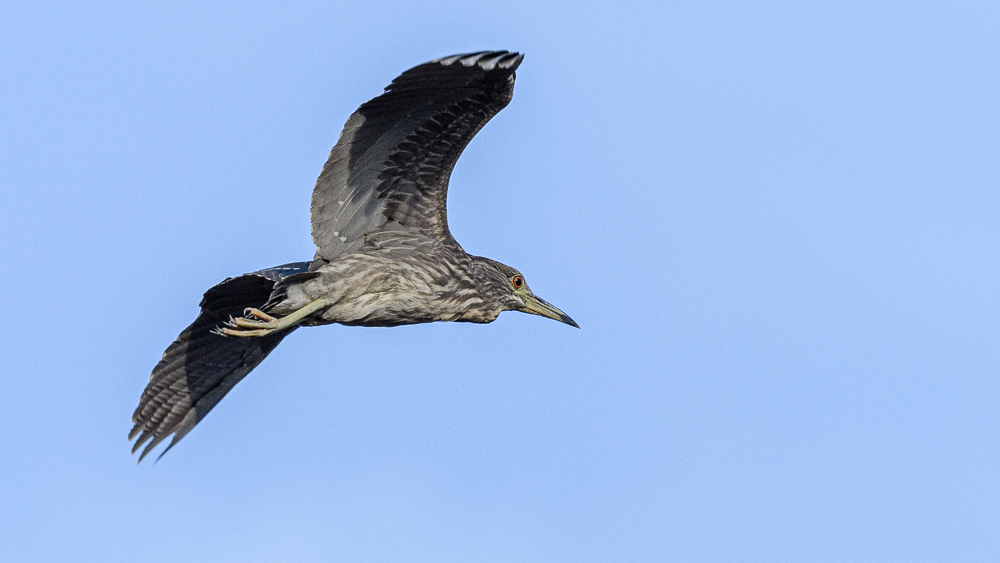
(384, 256)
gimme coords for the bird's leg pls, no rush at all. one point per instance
(244, 326)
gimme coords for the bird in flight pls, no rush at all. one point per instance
(384, 255)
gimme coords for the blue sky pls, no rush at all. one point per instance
(776, 224)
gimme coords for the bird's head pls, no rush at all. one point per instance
(506, 289)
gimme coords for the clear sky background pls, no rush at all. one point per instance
(777, 225)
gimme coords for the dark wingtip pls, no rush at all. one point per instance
(486, 60)
(165, 450)
(149, 447)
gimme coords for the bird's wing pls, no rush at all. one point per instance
(391, 165)
(200, 367)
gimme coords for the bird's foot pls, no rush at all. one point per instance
(255, 313)
(258, 323)
(254, 323)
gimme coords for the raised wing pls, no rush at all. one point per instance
(390, 167)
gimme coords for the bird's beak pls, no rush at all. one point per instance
(538, 306)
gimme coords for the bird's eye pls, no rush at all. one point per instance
(517, 282)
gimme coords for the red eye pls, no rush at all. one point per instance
(518, 282)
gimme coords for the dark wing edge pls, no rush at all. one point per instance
(391, 165)
(200, 367)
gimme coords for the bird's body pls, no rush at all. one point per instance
(395, 278)
(384, 254)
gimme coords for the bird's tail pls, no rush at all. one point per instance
(200, 367)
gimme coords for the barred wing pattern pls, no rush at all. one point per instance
(390, 168)
(200, 367)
